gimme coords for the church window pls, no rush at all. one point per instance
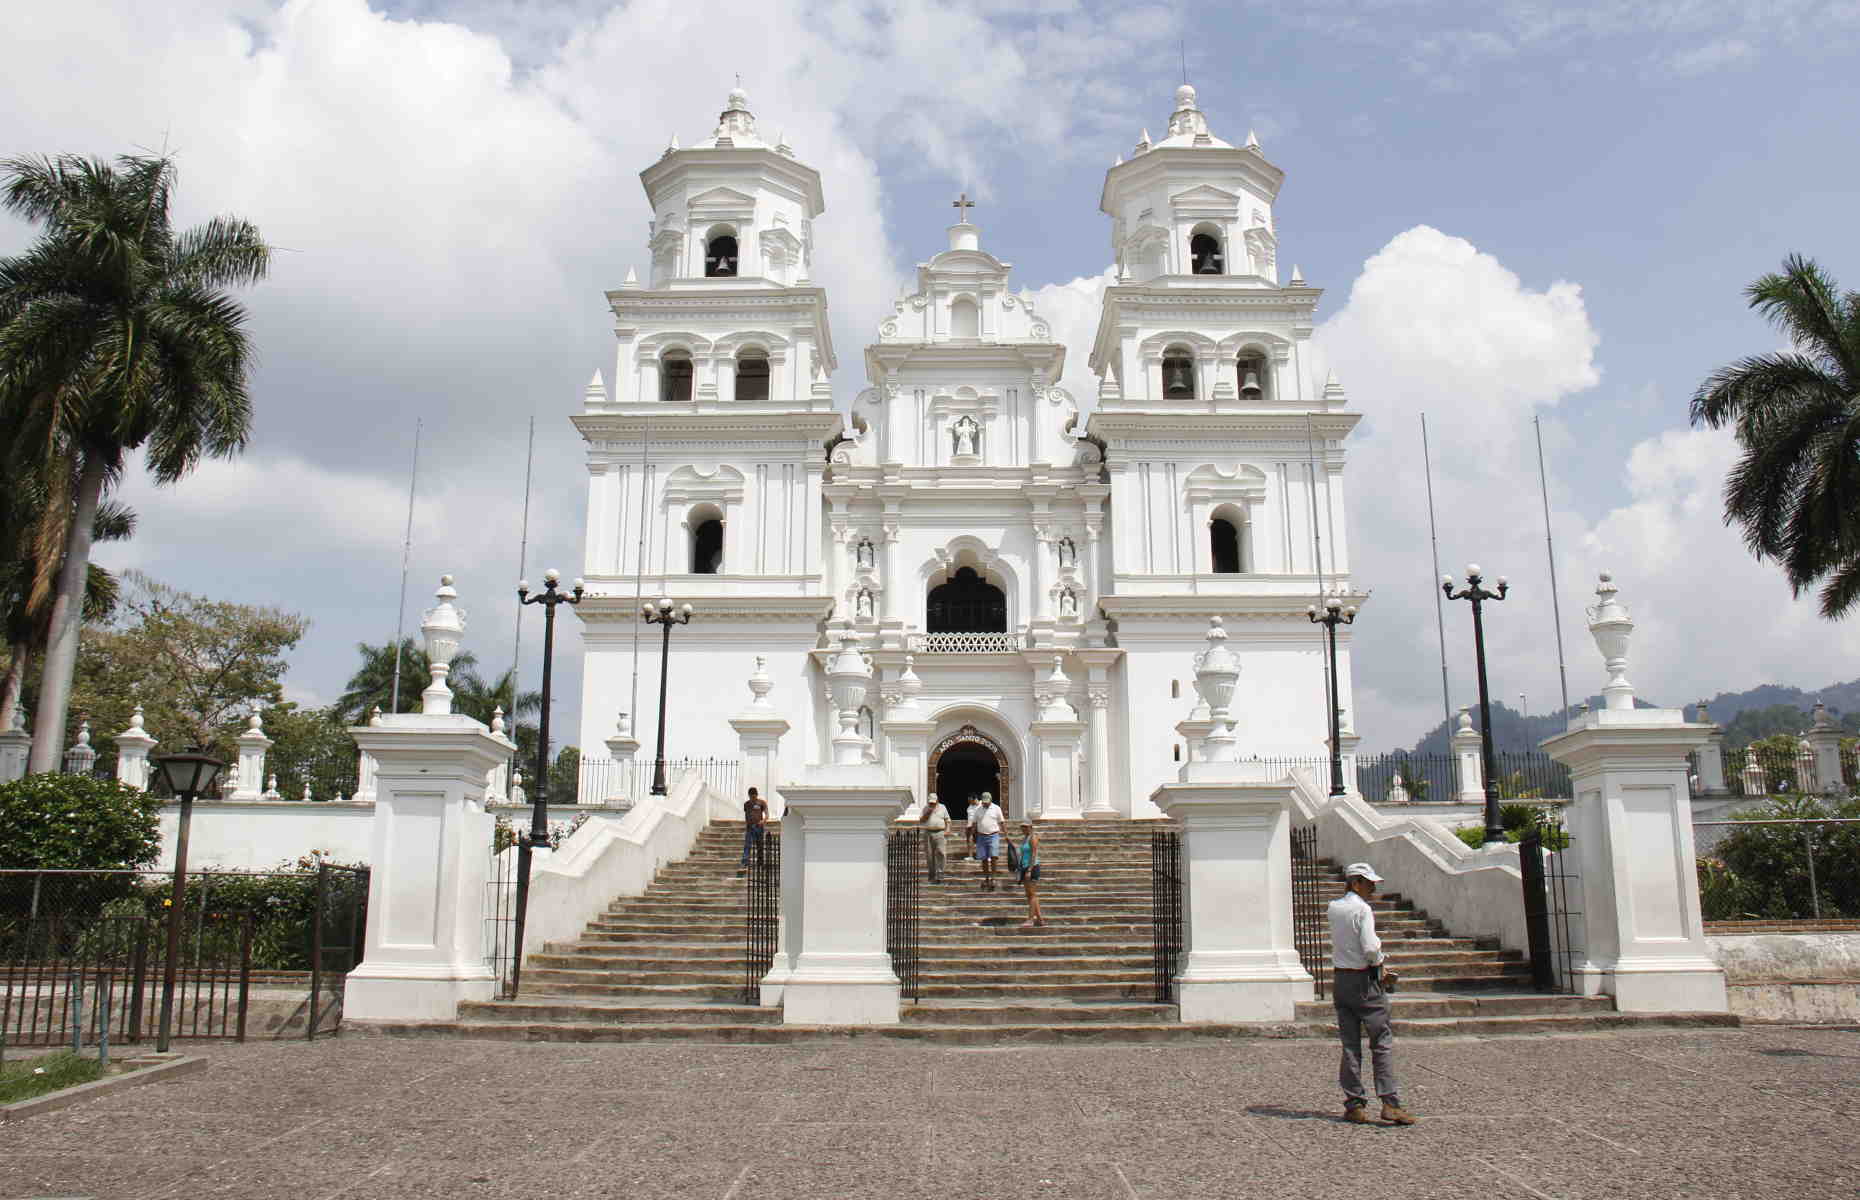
(1250, 369)
(752, 375)
(1177, 748)
(1178, 374)
(965, 320)
(966, 604)
(868, 726)
(720, 257)
(1227, 541)
(1204, 252)
(1175, 689)
(706, 542)
(675, 375)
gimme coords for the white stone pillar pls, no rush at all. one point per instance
(1824, 741)
(759, 729)
(15, 748)
(365, 766)
(833, 876)
(1099, 805)
(1236, 858)
(1466, 753)
(891, 587)
(80, 758)
(1630, 826)
(132, 753)
(430, 851)
(249, 783)
(1711, 757)
(1059, 755)
(622, 750)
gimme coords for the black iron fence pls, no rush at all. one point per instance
(1165, 913)
(1552, 919)
(1417, 778)
(322, 773)
(1310, 919)
(500, 917)
(1764, 868)
(1757, 770)
(604, 781)
(762, 911)
(904, 872)
(83, 953)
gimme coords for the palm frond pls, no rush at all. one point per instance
(1842, 591)
(225, 252)
(1804, 303)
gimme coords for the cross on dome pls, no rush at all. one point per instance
(962, 204)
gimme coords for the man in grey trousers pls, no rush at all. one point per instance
(1362, 1000)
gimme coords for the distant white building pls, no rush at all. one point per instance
(1030, 592)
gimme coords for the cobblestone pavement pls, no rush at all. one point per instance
(1754, 1112)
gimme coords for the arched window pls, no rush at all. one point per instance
(1178, 374)
(752, 374)
(966, 604)
(965, 320)
(720, 253)
(868, 726)
(706, 541)
(675, 375)
(1224, 539)
(1204, 253)
(1255, 379)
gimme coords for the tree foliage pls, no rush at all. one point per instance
(116, 334)
(1762, 871)
(1795, 492)
(197, 666)
(74, 822)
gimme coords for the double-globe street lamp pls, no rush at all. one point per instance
(1476, 592)
(188, 775)
(550, 598)
(1335, 614)
(664, 614)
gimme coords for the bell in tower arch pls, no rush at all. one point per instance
(1178, 375)
(1204, 251)
(1250, 386)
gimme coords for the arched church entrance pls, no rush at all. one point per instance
(965, 764)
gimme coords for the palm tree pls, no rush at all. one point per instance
(115, 335)
(373, 682)
(25, 572)
(476, 698)
(1796, 490)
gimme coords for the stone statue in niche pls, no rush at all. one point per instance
(1068, 603)
(1068, 552)
(967, 433)
(863, 554)
(862, 604)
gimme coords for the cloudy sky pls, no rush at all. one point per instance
(1518, 209)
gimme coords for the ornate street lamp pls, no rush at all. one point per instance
(539, 787)
(664, 614)
(188, 774)
(1476, 592)
(1335, 614)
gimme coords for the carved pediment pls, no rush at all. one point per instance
(1206, 194)
(722, 197)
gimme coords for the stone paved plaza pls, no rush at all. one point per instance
(1756, 1112)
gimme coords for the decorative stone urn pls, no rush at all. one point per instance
(848, 676)
(1217, 673)
(1612, 628)
(443, 626)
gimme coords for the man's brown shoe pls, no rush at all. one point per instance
(1357, 1114)
(1395, 1114)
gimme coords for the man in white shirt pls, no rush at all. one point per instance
(935, 820)
(1361, 999)
(985, 823)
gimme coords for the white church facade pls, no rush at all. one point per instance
(1029, 576)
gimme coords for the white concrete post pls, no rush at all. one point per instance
(15, 748)
(1099, 805)
(430, 851)
(1058, 733)
(81, 758)
(1236, 858)
(132, 753)
(759, 729)
(249, 782)
(1631, 830)
(1711, 756)
(365, 767)
(907, 733)
(891, 587)
(623, 749)
(1755, 785)
(1807, 778)
(1471, 772)
(1824, 740)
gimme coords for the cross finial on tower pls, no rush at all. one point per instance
(962, 204)
(1182, 44)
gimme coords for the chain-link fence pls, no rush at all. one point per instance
(1766, 869)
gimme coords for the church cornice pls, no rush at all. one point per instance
(1129, 610)
(746, 302)
(606, 432)
(596, 609)
(1150, 429)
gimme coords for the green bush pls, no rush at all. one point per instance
(73, 822)
(1761, 872)
(1519, 819)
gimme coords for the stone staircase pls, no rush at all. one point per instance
(670, 964)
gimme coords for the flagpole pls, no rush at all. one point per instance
(406, 553)
(1433, 537)
(523, 564)
(1556, 608)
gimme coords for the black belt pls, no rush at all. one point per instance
(1377, 967)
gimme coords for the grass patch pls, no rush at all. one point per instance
(26, 1078)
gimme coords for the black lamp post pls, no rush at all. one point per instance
(664, 614)
(1476, 592)
(188, 774)
(539, 786)
(1335, 614)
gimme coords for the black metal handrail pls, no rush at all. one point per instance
(904, 872)
(761, 911)
(1165, 913)
(1310, 920)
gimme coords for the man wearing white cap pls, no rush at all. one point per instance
(1359, 992)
